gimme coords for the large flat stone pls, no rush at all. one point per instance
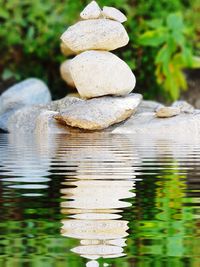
(148, 124)
(99, 113)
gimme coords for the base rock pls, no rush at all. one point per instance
(147, 124)
(99, 113)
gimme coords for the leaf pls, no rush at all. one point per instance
(153, 38)
(170, 85)
(7, 74)
(175, 21)
(187, 56)
(31, 32)
(155, 23)
(4, 13)
(195, 62)
(179, 38)
(159, 74)
(163, 55)
(180, 78)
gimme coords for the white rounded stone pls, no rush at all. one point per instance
(95, 34)
(65, 73)
(113, 13)
(91, 11)
(99, 73)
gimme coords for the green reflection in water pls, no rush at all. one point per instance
(169, 236)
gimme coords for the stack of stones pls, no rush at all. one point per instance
(96, 73)
(104, 83)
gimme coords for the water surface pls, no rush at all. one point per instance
(99, 200)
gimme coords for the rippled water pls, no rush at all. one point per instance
(99, 200)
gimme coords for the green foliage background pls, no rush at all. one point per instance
(30, 40)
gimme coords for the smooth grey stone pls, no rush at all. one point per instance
(184, 106)
(147, 124)
(29, 92)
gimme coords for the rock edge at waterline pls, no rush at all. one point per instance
(99, 113)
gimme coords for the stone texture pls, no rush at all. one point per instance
(26, 119)
(99, 113)
(30, 119)
(66, 51)
(40, 120)
(4, 119)
(184, 106)
(99, 73)
(149, 106)
(46, 124)
(23, 120)
(97, 34)
(34, 120)
(166, 112)
(29, 92)
(65, 73)
(63, 103)
(147, 124)
(91, 11)
(113, 13)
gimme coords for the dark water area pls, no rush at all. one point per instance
(99, 200)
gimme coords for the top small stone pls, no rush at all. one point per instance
(114, 14)
(91, 11)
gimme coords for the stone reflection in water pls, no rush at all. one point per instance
(91, 181)
(95, 197)
(25, 164)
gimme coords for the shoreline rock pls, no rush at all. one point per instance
(40, 120)
(29, 92)
(99, 113)
(147, 124)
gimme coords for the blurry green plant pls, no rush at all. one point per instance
(30, 36)
(174, 54)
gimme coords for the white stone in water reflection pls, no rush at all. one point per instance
(92, 264)
(97, 216)
(103, 179)
(98, 157)
(96, 224)
(25, 164)
(94, 229)
(98, 194)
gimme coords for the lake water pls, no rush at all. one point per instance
(99, 200)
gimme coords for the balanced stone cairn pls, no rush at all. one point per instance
(104, 83)
(96, 72)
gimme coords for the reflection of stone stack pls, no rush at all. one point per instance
(95, 192)
(95, 71)
(95, 220)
